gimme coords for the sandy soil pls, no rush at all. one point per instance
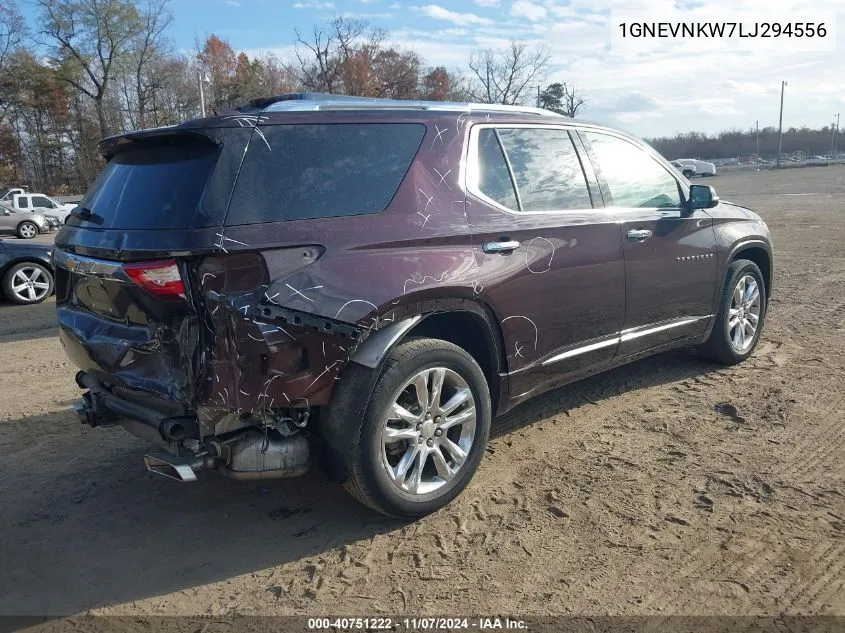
(634, 492)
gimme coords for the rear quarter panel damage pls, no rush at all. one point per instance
(341, 278)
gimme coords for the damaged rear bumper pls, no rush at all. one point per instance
(246, 454)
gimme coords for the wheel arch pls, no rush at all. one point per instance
(468, 324)
(26, 259)
(759, 253)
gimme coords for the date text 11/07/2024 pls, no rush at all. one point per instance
(417, 624)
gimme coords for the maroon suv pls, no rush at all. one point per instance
(381, 279)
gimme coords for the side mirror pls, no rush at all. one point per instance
(702, 197)
(6, 212)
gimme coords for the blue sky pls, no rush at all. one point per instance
(649, 93)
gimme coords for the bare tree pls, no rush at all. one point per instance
(505, 76)
(321, 63)
(562, 98)
(149, 45)
(91, 36)
(12, 30)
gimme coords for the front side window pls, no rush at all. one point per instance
(635, 178)
(41, 201)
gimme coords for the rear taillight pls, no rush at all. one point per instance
(160, 278)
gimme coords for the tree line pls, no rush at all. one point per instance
(743, 144)
(88, 69)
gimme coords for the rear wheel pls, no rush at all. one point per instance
(27, 282)
(424, 431)
(27, 230)
(742, 311)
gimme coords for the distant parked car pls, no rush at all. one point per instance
(687, 170)
(702, 168)
(26, 271)
(25, 225)
(38, 203)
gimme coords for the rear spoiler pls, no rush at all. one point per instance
(171, 135)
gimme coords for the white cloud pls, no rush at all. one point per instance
(651, 93)
(313, 4)
(234, 3)
(461, 19)
(529, 10)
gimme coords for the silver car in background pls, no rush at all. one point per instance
(25, 225)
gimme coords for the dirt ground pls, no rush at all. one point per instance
(635, 492)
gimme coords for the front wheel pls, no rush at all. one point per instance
(424, 431)
(27, 230)
(742, 311)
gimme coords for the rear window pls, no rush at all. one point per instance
(295, 172)
(157, 187)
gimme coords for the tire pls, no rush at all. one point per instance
(688, 174)
(726, 344)
(27, 283)
(409, 496)
(27, 230)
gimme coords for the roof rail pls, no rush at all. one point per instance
(312, 101)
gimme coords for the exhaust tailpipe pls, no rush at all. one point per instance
(249, 455)
(178, 468)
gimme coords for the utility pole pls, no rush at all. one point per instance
(757, 126)
(835, 149)
(538, 96)
(202, 93)
(780, 123)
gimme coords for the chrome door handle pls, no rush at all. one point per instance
(500, 247)
(639, 234)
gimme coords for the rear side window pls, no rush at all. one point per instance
(635, 178)
(296, 172)
(547, 170)
(23, 202)
(157, 187)
(494, 179)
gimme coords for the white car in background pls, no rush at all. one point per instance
(18, 200)
(702, 167)
(687, 170)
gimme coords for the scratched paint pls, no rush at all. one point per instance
(273, 299)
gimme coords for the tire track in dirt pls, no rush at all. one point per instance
(825, 558)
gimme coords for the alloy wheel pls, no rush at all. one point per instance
(744, 313)
(429, 431)
(28, 230)
(30, 284)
